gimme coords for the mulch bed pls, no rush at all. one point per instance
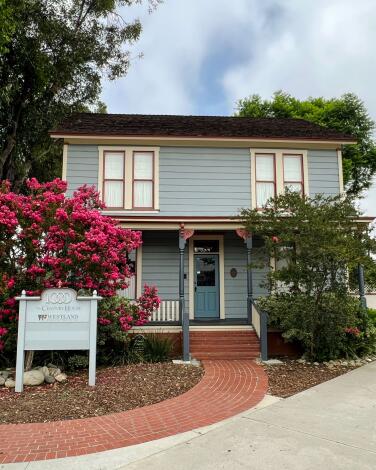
(118, 389)
(292, 377)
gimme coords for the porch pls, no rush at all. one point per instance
(203, 279)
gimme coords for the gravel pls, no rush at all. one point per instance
(118, 389)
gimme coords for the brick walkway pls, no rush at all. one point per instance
(227, 388)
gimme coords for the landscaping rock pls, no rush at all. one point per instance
(301, 361)
(54, 371)
(10, 383)
(45, 371)
(33, 377)
(2, 380)
(4, 374)
(49, 379)
(61, 377)
(273, 362)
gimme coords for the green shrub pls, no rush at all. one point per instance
(114, 343)
(372, 315)
(78, 361)
(335, 327)
(157, 348)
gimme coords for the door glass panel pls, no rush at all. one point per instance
(206, 246)
(205, 271)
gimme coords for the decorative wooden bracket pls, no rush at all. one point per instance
(186, 233)
(242, 233)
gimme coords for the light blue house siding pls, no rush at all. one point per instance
(160, 263)
(203, 181)
(82, 166)
(160, 267)
(323, 175)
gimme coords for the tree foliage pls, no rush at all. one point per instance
(50, 240)
(7, 25)
(345, 114)
(314, 242)
(51, 64)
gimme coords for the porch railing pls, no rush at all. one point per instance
(260, 324)
(168, 311)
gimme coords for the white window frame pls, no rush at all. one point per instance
(128, 179)
(279, 176)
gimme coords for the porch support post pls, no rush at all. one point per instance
(362, 297)
(247, 237)
(248, 242)
(183, 313)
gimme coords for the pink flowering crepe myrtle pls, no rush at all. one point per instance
(50, 240)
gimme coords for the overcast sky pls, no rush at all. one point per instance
(201, 56)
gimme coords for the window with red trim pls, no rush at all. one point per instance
(113, 179)
(143, 180)
(265, 178)
(293, 177)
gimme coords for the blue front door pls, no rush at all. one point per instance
(206, 286)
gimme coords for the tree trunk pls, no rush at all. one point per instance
(29, 360)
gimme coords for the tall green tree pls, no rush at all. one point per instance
(346, 114)
(7, 25)
(51, 65)
(315, 242)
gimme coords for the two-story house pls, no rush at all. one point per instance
(182, 180)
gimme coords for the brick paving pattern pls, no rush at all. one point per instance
(227, 388)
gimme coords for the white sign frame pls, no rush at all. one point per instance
(57, 311)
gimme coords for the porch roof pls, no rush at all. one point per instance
(176, 223)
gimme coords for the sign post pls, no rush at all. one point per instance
(57, 320)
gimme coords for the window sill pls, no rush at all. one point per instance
(129, 211)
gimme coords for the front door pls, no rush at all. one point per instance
(206, 286)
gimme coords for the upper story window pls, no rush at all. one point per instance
(293, 177)
(143, 180)
(275, 170)
(113, 179)
(129, 177)
(265, 178)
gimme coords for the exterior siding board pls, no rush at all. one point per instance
(82, 166)
(160, 263)
(204, 181)
(323, 172)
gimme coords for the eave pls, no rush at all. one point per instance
(196, 141)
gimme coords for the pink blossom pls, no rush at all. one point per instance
(53, 238)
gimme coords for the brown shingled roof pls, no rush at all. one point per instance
(195, 126)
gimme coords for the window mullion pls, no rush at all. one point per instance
(128, 186)
(279, 173)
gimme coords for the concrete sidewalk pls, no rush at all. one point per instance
(331, 426)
